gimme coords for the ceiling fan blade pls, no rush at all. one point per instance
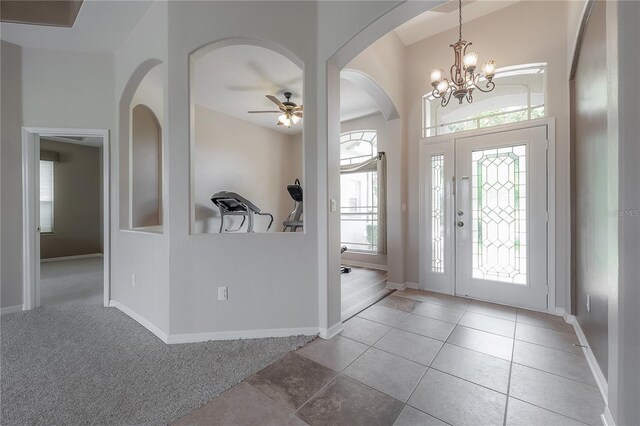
(275, 101)
(298, 113)
(261, 112)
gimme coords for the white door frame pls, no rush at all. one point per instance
(449, 287)
(31, 206)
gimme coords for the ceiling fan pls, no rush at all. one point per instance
(290, 112)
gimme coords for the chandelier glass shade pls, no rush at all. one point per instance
(464, 79)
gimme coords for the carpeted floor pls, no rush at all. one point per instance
(73, 361)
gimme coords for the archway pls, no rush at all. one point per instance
(244, 147)
(329, 233)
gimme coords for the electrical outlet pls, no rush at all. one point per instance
(588, 302)
(133, 280)
(223, 293)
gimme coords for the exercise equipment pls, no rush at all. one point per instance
(344, 269)
(294, 220)
(233, 204)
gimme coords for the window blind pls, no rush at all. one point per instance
(46, 196)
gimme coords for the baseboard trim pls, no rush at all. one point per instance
(140, 320)
(328, 333)
(241, 334)
(606, 417)
(367, 265)
(11, 309)
(79, 256)
(396, 286)
(601, 381)
(414, 286)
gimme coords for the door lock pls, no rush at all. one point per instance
(460, 213)
(460, 224)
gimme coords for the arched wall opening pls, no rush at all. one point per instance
(146, 171)
(329, 237)
(246, 137)
(141, 114)
(369, 199)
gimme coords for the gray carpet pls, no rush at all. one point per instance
(73, 361)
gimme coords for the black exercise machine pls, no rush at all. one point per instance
(233, 204)
(294, 220)
(344, 269)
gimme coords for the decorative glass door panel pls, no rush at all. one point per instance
(501, 217)
(499, 214)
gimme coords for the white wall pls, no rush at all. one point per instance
(144, 254)
(541, 37)
(231, 154)
(44, 88)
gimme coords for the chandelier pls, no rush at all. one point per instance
(463, 79)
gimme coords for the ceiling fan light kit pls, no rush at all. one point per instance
(464, 80)
(290, 112)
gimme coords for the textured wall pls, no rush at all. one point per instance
(591, 216)
(11, 157)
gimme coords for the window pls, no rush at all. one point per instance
(46, 197)
(519, 95)
(359, 190)
(437, 213)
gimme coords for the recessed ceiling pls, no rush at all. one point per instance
(235, 79)
(445, 17)
(60, 13)
(101, 26)
(355, 102)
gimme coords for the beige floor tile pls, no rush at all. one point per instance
(566, 364)
(364, 331)
(572, 399)
(457, 401)
(547, 337)
(476, 367)
(411, 346)
(489, 324)
(520, 413)
(424, 326)
(336, 353)
(383, 315)
(413, 417)
(493, 309)
(481, 341)
(388, 373)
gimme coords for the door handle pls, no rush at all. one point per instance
(460, 224)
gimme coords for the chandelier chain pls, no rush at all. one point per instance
(460, 19)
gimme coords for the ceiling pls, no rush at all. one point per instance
(355, 102)
(445, 17)
(60, 13)
(235, 79)
(101, 26)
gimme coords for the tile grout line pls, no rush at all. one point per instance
(506, 404)
(546, 409)
(420, 380)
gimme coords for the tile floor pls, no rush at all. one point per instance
(420, 358)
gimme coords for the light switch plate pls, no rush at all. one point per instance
(223, 293)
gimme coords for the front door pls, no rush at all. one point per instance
(485, 217)
(501, 217)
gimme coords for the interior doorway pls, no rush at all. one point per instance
(485, 217)
(57, 201)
